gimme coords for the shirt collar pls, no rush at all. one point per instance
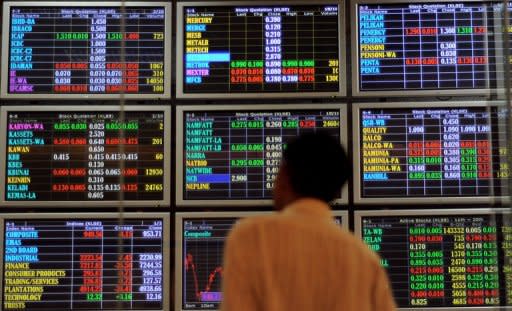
(308, 207)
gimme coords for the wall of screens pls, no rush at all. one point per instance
(425, 48)
(230, 155)
(273, 49)
(446, 258)
(73, 262)
(449, 153)
(227, 152)
(200, 241)
(72, 158)
(64, 50)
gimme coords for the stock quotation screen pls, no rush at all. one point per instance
(261, 49)
(203, 248)
(77, 50)
(231, 155)
(438, 261)
(80, 264)
(75, 156)
(423, 46)
(431, 152)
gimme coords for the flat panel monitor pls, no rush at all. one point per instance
(85, 156)
(444, 259)
(85, 261)
(403, 48)
(230, 155)
(270, 49)
(78, 50)
(200, 239)
(434, 152)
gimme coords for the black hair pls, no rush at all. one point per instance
(317, 165)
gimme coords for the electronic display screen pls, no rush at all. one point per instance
(93, 264)
(423, 46)
(203, 248)
(247, 48)
(431, 152)
(203, 241)
(76, 156)
(438, 260)
(235, 154)
(62, 49)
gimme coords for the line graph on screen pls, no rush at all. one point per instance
(206, 294)
(203, 248)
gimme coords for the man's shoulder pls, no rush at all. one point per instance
(246, 229)
(355, 245)
(249, 223)
(243, 231)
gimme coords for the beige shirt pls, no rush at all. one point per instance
(300, 260)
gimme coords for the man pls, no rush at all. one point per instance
(299, 259)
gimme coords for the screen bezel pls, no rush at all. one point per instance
(166, 304)
(166, 200)
(359, 215)
(178, 237)
(6, 39)
(399, 93)
(358, 199)
(180, 167)
(344, 218)
(342, 75)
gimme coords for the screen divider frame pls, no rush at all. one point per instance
(4, 73)
(342, 75)
(166, 199)
(357, 184)
(166, 234)
(180, 145)
(356, 92)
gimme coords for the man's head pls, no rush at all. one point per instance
(313, 165)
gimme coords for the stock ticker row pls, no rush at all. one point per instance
(436, 259)
(229, 155)
(444, 152)
(78, 49)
